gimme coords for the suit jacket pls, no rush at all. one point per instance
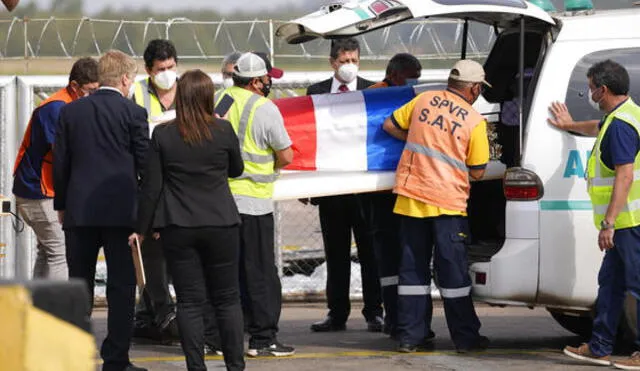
(187, 185)
(99, 152)
(324, 87)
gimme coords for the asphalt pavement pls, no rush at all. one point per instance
(521, 339)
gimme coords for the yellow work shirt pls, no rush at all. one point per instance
(477, 158)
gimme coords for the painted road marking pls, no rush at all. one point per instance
(361, 354)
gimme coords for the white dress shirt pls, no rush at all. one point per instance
(335, 84)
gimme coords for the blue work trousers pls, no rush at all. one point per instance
(385, 237)
(619, 272)
(418, 237)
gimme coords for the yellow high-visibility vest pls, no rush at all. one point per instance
(600, 178)
(259, 164)
(148, 101)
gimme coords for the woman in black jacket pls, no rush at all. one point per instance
(185, 196)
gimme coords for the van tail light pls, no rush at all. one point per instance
(522, 185)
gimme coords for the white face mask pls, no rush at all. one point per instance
(592, 103)
(165, 79)
(348, 72)
(227, 83)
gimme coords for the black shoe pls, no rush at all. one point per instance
(429, 338)
(146, 332)
(328, 325)
(376, 324)
(481, 344)
(131, 367)
(426, 346)
(407, 348)
(274, 350)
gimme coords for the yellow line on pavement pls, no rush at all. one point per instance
(361, 354)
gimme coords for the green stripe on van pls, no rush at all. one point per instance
(362, 13)
(565, 205)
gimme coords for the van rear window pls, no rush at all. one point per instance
(577, 97)
(511, 3)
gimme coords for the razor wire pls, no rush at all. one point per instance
(53, 37)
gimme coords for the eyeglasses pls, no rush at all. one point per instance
(227, 75)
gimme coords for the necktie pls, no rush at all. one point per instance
(343, 88)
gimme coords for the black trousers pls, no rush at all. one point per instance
(259, 273)
(204, 264)
(385, 236)
(159, 303)
(339, 215)
(83, 245)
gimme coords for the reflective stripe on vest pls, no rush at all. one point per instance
(600, 178)
(432, 168)
(413, 147)
(259, 174)
(148, 101)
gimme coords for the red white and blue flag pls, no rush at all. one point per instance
(343, 132)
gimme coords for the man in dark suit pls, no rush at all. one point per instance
(339, 215)
(99, 151)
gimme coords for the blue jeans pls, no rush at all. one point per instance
(619, 272)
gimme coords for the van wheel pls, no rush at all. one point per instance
(579, 325)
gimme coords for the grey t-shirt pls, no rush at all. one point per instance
(268, 131)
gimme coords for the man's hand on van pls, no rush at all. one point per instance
(561, 117)
(562, 120)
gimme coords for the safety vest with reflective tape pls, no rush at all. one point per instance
(432, 168)
(46, 171)
(148, 101)
(259, 173)
(600, 178)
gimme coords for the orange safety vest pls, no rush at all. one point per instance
(46, 173)
(377, 85)
(433, 167)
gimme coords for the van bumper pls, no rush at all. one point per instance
(511, 276)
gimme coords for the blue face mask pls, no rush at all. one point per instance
(411, 82)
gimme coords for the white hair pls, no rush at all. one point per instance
(231, 58)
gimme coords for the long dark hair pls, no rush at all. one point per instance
(194, 106)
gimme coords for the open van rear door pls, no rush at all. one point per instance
(356, 17)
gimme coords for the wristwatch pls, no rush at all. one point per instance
(605, 225)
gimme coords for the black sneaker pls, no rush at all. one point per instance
(407, 348)
(274, 350)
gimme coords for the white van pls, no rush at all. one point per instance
(536, 244)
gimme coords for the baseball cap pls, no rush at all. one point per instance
(256, 64)
(468, 70)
